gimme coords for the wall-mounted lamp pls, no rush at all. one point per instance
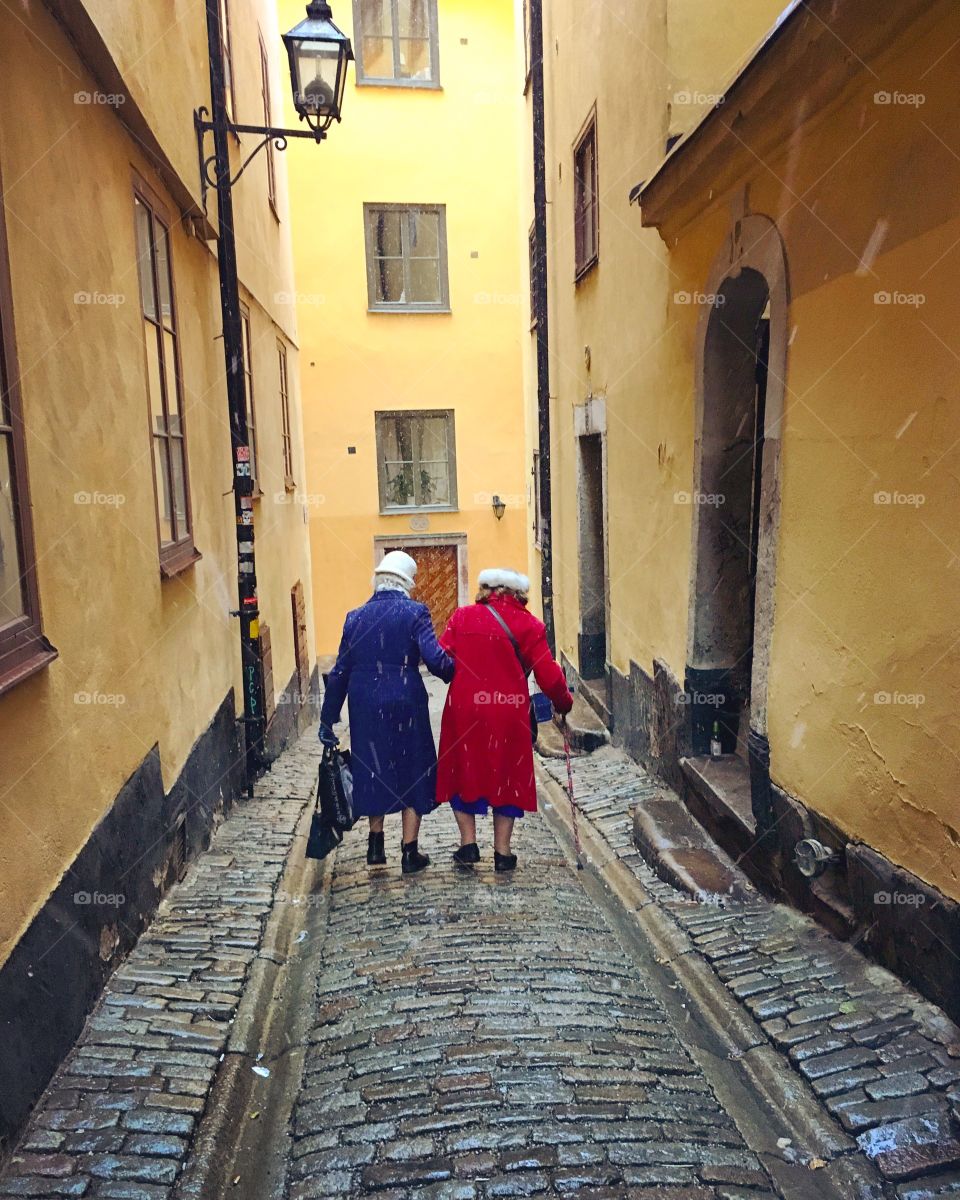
(499, 508)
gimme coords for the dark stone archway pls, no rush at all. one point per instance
(740, 380)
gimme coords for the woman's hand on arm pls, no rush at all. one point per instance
(438, 662)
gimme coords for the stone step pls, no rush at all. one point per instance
(594, 691)
(683, 854)
(723, 785)
(584, 728)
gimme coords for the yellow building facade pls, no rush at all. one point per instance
(409, 280)
(751, 239)
(119, 653)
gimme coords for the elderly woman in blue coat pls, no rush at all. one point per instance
(392, 751)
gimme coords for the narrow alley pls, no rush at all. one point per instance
(554, 405)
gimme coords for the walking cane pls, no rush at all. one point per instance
(573, 808)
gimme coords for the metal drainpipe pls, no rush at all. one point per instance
(249, 611)
(540, 307)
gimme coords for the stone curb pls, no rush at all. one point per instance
(277, 974)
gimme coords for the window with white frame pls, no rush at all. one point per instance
(416, 460)
(586, 207)
(537, 503)
(396, 42)
(406, 257)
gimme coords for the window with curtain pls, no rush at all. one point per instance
(226, 42)
(397, 42)
(535, 277)
(416, 459)
(270, 150)
(585, 200)
(406, 257)
(164, 388)
(285, 425)
(537, 505)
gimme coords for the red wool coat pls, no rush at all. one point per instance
(485, 747)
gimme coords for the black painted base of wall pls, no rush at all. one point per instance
(906, 925)
(592, 649)
(56, 972)
(294, 712)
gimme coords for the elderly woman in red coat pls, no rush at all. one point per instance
(486, 748)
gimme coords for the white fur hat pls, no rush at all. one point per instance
(398, 563)
(498, 577)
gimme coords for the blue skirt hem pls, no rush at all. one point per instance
(480, 808)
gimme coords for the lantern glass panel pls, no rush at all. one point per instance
(317, 67)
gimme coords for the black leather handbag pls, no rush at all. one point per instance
(333, 809)
(323, 837)
(335, 788)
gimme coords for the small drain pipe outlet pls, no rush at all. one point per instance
(812, 857)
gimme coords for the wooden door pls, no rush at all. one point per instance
(438, 575)
(301, 646)
(266, 658)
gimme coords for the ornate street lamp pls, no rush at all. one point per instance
(319, 53)
(499, 507)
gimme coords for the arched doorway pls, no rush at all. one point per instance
(741, 368)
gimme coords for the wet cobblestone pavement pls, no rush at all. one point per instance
(473, 1035)
(118, 1119)
(482, 1036)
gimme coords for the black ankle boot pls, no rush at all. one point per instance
(376, 855)
(504, 862)
(412, 860)
(467, 855)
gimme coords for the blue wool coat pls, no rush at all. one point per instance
(377, 671)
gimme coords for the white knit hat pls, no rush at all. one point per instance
(498, 577)
(400, 564)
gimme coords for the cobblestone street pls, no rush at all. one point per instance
(488, 1036)
(463, 1034)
